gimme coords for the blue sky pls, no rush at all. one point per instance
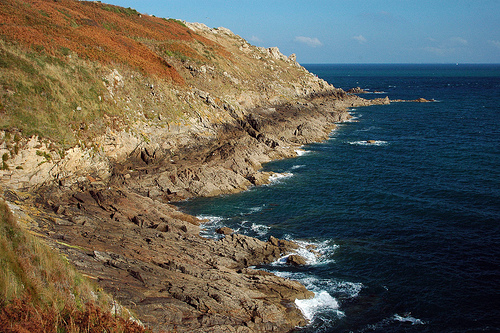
(351, 31)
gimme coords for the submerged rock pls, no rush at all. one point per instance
(225, 231)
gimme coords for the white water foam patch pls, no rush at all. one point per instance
(324, 304)
(322, 301)
(295, 167)
(405, 318)
(408, 318)
(209, 225)
(342, 289)
(253, 210)
(301, 151)
(277, 178)
(314, 253)
(368, 129)
(369, 143)
(348, 290)
(260, 229)
(354, 116)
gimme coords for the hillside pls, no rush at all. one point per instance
(108, 116)
(70, 67)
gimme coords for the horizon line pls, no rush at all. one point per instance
(401, 63)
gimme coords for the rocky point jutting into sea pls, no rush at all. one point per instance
(105, 202)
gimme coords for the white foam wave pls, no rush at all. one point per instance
(301, 151)
(348, 289)
(260, 229)
(322, 301)
(316, 253)
(256, 209)
(295, 167)
(354, 116)
(343, 289)
(368, 129)
(408, 318)
(209, 225)
(278, 177)
(369, 143)
(324, 304)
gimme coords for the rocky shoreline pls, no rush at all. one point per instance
(197, 113)
(122, 232)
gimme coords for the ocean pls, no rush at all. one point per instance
(408, 227)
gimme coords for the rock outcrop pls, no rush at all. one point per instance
(150, 257)
(357, 90)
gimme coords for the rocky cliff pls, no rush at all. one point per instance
(108, 115)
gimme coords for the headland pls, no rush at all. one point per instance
(97, 146)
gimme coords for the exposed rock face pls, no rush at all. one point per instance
(225, 231)
(106, 209)
(117, 228)
(152, 259)
(295, 260)
(113, 222)
(357, 90)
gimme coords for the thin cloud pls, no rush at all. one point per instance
(361, 39)
(312, 42)
(256, 39)
(459, 41)
(495, 43)
(447, 47)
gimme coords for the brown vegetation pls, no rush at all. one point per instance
(21, 316)
(40, 292)
(56, 58)
(95, 31)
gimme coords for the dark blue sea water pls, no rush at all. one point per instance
(409, 227)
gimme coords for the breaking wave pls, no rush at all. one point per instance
(369, 143)
(277, 178)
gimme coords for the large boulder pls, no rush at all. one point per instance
(295, 260)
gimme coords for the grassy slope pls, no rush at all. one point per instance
(41, 292)
(55, 60)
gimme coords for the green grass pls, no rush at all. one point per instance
(176, 21)
(30, 267)
(120, 10)
(46, 93)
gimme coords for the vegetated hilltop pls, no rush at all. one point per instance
(68, 68)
